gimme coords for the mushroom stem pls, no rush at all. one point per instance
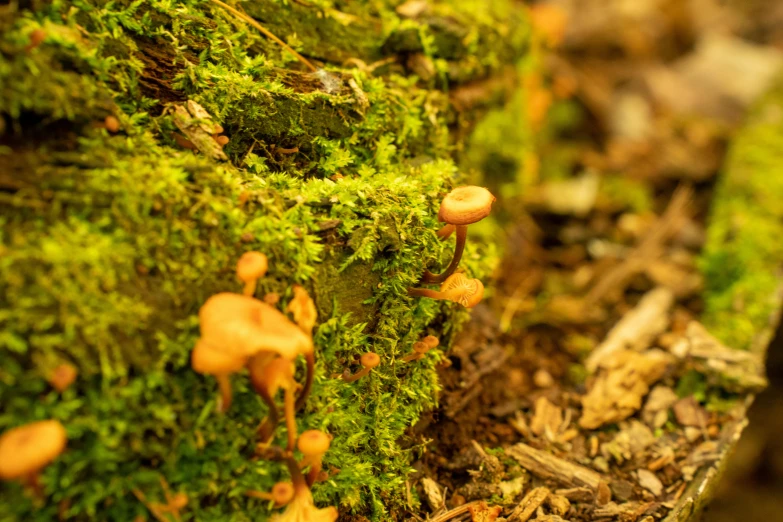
(412, 357)
(347, 377)
(459, 247)
(308, 384)
(290, 416)
(250, 287)
(33, 481)
(224, 384)
(446, 231)
(298, 480)
(267, 427)
(315, 470)
(426, 292)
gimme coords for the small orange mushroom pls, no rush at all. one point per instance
(313, 444)
(250, 268)
(458, 288)
(26, 450)
(173, 505)
(282, 493)
(63, 376)
(369, 361)
(461, 207)
(420, 348)
(302, 508)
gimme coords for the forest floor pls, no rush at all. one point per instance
(542, 370)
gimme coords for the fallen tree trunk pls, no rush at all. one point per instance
(113, 232)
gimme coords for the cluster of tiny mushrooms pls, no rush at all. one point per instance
(239, 331)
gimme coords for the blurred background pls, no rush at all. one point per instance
(663, 85)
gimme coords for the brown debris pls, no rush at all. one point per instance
(689, 412)
(548, 467)
(637, 329)
(547, 419)
(532, 501)
(623, 381)
(481, 512)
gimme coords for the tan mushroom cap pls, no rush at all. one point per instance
(431, 341)
(210, 360)
(242, 326)
(27, 449)
(251, 266)
(466, 205)
(463, 290)
(303, 309)
(282, 493)
(313, 442)
(370, 360)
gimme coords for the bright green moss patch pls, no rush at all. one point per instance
(744, 252)
(110, 243)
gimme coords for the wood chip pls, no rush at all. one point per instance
(637, 329)
(546, 466)
(582, 494)
(603, 494)
(529, 504)
(617, 392)
(197, 125)
(558, 504)
(547, 418)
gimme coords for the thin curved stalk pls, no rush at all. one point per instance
(290, 416)
(267, 427)
(459, 248)
(224, 385)
(308, 384)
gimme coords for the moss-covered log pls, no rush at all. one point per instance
(112, 234)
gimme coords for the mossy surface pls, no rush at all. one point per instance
(743, 257)
(109, 243)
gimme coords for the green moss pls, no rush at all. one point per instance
(109, 244)
(742, 258)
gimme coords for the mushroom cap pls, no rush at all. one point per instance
(421, 347)
(210, 360)
(466, 205)
(27, 449)
(251, 266)
(313, 442)
(370, 360)
(243, 326)
(63, 376)
(303, 309)
(463, 290)
(431, 341)
(282, 493)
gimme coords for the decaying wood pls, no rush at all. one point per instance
(618, 390)
(736, 370)
(547, 466)
(637, 329)
(527, 507)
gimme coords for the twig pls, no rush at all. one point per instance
(266, 32)
(647, 250)
(453, 513)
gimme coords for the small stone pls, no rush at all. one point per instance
(649, 481)
(692, 434)
(690, 413)
(558, 504)
(622, 490)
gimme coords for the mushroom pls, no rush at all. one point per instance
(236, 327)
(303, 309)
(267, 379)
(173, 505)
(421, 347)
(26, 450)
(458, 288)
(281, 494)
(301, 508)
(63, 376)
(250, 268)
(461, 207)
(206, 359)
(313, 444)
(369, 361)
